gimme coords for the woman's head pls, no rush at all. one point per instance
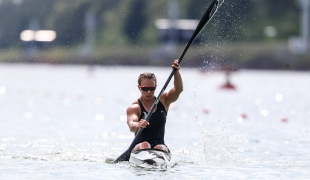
(146, 75)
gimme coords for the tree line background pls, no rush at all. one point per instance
(132, 21)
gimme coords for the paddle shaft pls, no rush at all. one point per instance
(204, 20)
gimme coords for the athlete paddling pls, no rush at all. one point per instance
(147, 86)
(153, 133)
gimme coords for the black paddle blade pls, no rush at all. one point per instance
(206, 18)
(202, 23)
(124, 157)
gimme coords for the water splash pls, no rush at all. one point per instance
(214, 145)
(221, 2)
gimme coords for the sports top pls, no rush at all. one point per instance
(155, 132)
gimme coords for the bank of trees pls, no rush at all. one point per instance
(132, 21)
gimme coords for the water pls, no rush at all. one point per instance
(68, 121)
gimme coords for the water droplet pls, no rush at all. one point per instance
(122, 118)
(279, 97)
(27, 115)
(265, 112)
(240, 119)
(98, 100)
(99, 117)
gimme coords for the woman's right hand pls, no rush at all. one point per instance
(142, 123)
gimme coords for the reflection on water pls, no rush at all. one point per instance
(62, 122)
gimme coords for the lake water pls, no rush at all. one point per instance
(67, 122)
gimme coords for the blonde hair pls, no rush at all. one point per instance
(146, 75)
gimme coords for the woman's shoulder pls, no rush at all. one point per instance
(134, 105)
(163, 101)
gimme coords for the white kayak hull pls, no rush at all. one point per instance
(150, 158)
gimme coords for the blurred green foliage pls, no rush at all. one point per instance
(132, 21)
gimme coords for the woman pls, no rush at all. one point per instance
(153, 133)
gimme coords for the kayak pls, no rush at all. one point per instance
(150, 158)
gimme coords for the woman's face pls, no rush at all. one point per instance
(146, 88)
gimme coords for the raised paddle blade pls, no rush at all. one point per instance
(212, 9)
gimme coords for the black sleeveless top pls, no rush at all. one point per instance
(155, 132)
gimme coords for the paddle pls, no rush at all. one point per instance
(204, 20)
